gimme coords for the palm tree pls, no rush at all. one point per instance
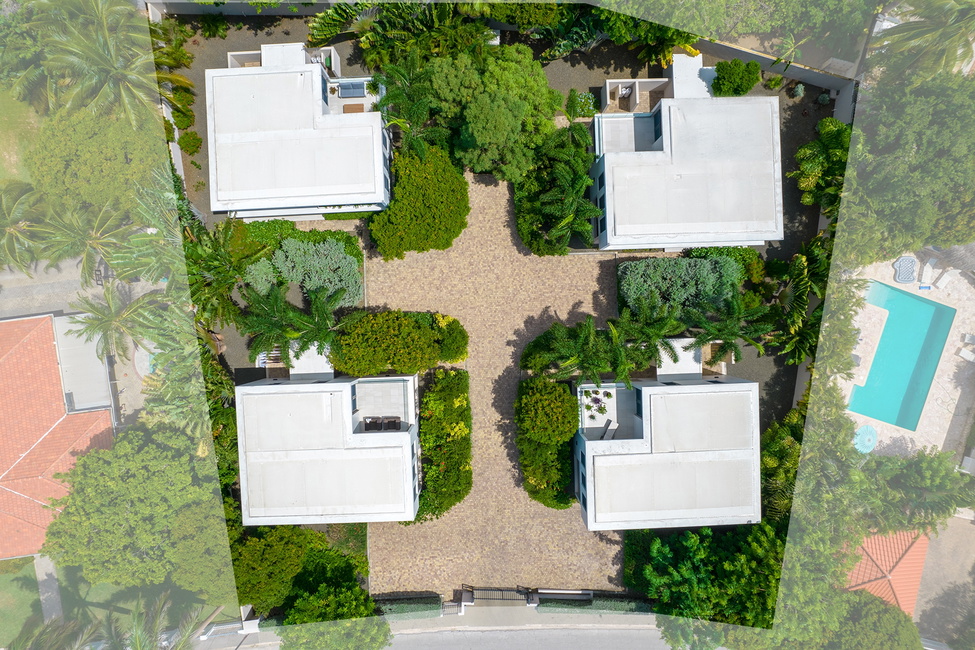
(789, 50)
(648, 330)
(20, 210)
(407, 104)
(114, 321)
(939, 40)
(91, 234)
(56, 634)
(273, 322)
(566, 206)
(735, 322)
(147, 628)
(581, 349)
(822, 165)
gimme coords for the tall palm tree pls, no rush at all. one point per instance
(581, 349)
(91, 234)
(566, 206)
(939, 39)
(56, 634)
(273, 322)
(113, 321)
(822, 165)
(734, 323)
(648, 329)
(21, 209)
(147, 628)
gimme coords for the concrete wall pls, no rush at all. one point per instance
(230, 8)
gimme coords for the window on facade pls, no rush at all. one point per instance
(601, 183)
(602, 225)
(355, 408)
(639, 402)
(658, 129)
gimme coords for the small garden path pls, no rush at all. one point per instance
(504, 296)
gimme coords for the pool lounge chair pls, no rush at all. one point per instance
(966, 354)
(904, 269)
(946, 278)
(968, 338)
(928, 271)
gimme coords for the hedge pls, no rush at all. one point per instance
(429, 207)
(752, 266)
(445, 438)
(389, 341)
(547, 417)
(735, 78)
(680, 281)
(272, 233)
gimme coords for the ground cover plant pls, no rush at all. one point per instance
(445, 440)
(429, 207)
(546, 417)
(680, 282)
(372, 343)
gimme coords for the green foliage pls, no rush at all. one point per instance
(190, 142)
(170, 130)
(822, 165)
(528, 16)
(374, 343)
(269, 235)
(798, 91)
(774, 82)
(543, 440)
(213, 26)
(21, 210)
(88, 158)
(581, 350)
(752, 266)
(499, 107)
(735, 78)
(262, 275)
(323, 266)
(551, 203)
(729, 324)
(936, 39)
(331, 603)
(445, 438)
(429, 207)
(453, 341)
(183, 118)
(680, 282)
(266, 562)
(370, 633)
(873, 623)
(584, 103)
(546, 411)
(654, 42)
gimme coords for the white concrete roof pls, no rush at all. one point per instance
(301, 463)
(716, 181)
(83, 375)
(697, 463)
(273, 144)
(688, 365)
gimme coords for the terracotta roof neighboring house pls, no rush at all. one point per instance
(891, 567)
(40, 437)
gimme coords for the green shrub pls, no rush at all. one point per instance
(429, 206)
(681, 282)
(546, 411)
(190, 142)
(170, 130)
(14, 566)
(445, 438)
(183, 98)
(319, 265)
(261, 275)
(774, 82)
(799, 91)
(735, 78)
(587, 104)
(529, 15)
(453, 340)
(213, 26)
(547, 416)
(271, 233)
(183, 118)
(374, 343)
(752, 265)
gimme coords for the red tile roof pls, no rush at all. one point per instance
(40, 439)
(890, 568)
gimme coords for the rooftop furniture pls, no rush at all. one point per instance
(391, 423)
(927, 271)
(352, 89)
(969, 338)
(354, 108)
(865, 439)
(905, 268)
(966, 354)
(372, 424)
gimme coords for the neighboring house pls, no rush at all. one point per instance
(890, 568)
(678, 168)
(316, 449)
(59, 406)
(288, 138)
(679, 451)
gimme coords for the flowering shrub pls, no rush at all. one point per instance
(445, 441)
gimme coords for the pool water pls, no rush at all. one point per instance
(907, 357)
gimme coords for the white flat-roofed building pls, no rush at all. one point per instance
(328, 451)
(288, 138)
(677, 168)
(671, 453)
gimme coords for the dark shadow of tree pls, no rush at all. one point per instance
(951, 613)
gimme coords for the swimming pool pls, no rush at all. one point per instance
(907, 356)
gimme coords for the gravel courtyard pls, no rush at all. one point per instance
(504, 297)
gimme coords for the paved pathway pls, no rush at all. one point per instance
(48, 588)
(505, 297)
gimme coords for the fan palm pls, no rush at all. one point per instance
(91, 234)
(113, 321)
(20, 211)
(273, 322)
(734, 323)
(939, 40)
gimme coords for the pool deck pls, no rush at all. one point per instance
(950, 406)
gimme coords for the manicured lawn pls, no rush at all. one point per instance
(18, 123)
(348, 538)
(18, 596)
